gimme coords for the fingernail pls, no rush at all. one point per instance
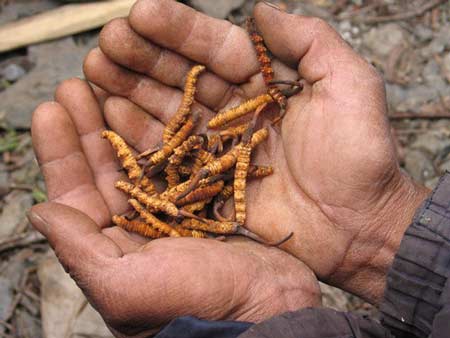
(38, 222)
(272, 5)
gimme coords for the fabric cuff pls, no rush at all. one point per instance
(417, 282)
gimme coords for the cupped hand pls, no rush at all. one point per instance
(136, 285)
(337, 183)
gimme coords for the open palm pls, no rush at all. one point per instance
(337, 182)
(137, 285)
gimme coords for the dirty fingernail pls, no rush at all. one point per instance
(38, 222)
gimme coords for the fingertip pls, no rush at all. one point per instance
(142, 10)
(138, 128)
(43, 110)
(50, 123)
(36, 220)
(91, 61)
(69, 87)
(308, 43)
(114, 31)
(71, 230)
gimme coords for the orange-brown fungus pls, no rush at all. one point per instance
(201, 171)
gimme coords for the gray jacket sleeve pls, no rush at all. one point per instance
(417, 297)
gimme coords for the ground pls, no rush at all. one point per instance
(411, 51)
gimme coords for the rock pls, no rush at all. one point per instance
(90, 324)
(416, 96)
(419, 166)
(432, 183)
(431, 71)
(309, 9)
(334, 298)
(13, 10)
(344, 26)
(395, 95)
(431, 143)
(423, 33)
(29, 172)
(16, 205)
(15, 268)
(4, 180)
(65, 311)
(439, 43)
(433, 77)
(27, 324)
(13, 72)
(6, 298)
(55, 61)
(218, 9)
(445, 66)
(445, 166)
(382, 40)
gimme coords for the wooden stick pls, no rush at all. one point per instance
(428, 5)
(60, 22)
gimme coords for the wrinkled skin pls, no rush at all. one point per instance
(137, 285)
(337, 183)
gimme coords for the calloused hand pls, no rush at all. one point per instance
(136, 285)
(337, 183)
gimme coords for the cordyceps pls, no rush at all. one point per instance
(201, 171)
(265, 64)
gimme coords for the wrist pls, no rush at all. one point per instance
(373, 250)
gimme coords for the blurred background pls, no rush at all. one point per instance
(43, 42)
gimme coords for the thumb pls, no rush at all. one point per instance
(308, 43)
(76, 239)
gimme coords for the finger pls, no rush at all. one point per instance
(139, 129)
(66, 171)
(157, 99)
(222, 47)
(76, 239)
(171, 69)
(123, 239)
(101, 95)
(80, 102)
(158, 63)
(308, 42)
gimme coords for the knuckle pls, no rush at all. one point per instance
(319, 25)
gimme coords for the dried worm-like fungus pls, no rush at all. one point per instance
(201, 172)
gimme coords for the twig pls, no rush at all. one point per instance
(17, 299)
(24, 187)
(358, 12)
(411, 115)
(6, 325)
(59, 22)
(428, 5)
(20, 240)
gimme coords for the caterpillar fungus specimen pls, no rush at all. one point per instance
(168, 148)
(265, 65)
(129, 163)
(240, 181)
(173, 177)
(185, 107)
(136, 226)
(201, 172)
(224, 163)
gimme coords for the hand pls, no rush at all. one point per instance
(337, 182)
(137, 285)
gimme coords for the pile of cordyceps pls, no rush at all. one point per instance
(201, 171)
